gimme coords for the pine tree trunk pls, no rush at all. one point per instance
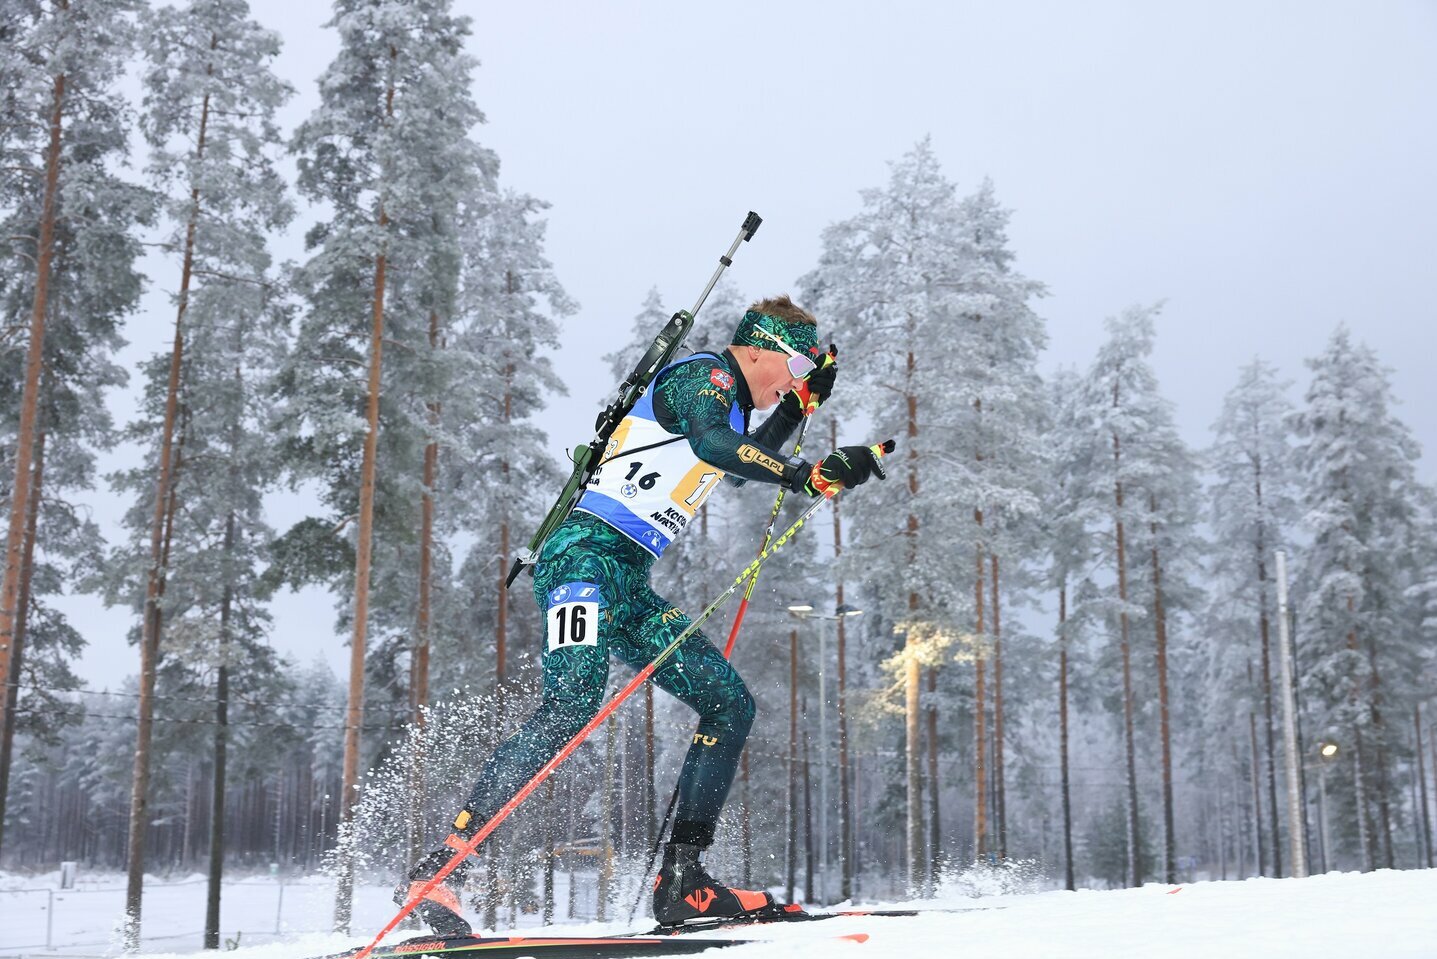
(915, 839)
(1384, 782)
(419, 678)
(808, 893)
(1134, 876)
(22, 616)
(845, 811)
(419, 662)
(1256, 790)
(1425, 851)
(158, 571)
(221, 739)
(354, 714)
(1160, 623)
(857, 821)
(1364, 835)
(547, 827)
(606, 826)
(1063, 734)
(651, 822)
(791, 858)
(1263, 631)
(29, 403)
(746, 823)
(935, 826)
(1000, 808)
(917, 857)
(980, 719)
(1432, 755)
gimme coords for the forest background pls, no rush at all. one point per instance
(1267, 192)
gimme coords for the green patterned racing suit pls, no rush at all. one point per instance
(635, 623)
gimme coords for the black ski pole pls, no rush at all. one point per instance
(587, 458)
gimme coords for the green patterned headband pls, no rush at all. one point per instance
(803, 337)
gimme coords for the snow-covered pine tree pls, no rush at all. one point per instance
(388, 152)
(1168, 560)
(210, 100)
(69, 281)
(1252, 513)
(1071, 546)
(874, 283)
(921, 285)
(1123, 413)
(1002, 400)
(1355, 462)
(509, 306)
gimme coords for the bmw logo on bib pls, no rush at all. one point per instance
(629, 490)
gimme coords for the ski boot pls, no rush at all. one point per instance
(440, 909)
(684, 893)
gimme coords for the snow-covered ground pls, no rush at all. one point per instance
(1386, 913)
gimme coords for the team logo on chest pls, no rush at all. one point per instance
(720, 379)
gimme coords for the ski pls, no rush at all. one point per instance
(779, 913)
(546, 947)
(794, 913)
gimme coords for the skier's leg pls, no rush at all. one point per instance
(699, 676)
(573, 590)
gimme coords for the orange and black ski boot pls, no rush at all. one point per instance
(440, 908)
(685, 894)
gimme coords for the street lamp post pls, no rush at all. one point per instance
(805, 611)
(1327, 752)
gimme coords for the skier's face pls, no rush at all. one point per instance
(771, 378)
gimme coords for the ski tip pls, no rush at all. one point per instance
(856, 937)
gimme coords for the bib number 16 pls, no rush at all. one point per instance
(573, 624)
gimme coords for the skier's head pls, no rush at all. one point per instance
(776, 344)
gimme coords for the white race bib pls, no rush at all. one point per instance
(573, 616)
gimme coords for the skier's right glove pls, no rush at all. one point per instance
(847, 467)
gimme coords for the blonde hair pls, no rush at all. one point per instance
(783, 307)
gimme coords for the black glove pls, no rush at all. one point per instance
(818, 386)
(847, 467)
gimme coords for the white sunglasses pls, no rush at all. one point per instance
(799, 366)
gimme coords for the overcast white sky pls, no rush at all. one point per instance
(1267, 168)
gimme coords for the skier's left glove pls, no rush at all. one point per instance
(847, 467)
(816, 388)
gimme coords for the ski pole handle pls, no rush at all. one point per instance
(829, 358)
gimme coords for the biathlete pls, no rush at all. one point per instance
(591, 580)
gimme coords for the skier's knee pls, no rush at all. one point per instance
(567, 714)
(737, 711)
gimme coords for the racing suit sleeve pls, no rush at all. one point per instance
(692, 399)
(775, 431)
